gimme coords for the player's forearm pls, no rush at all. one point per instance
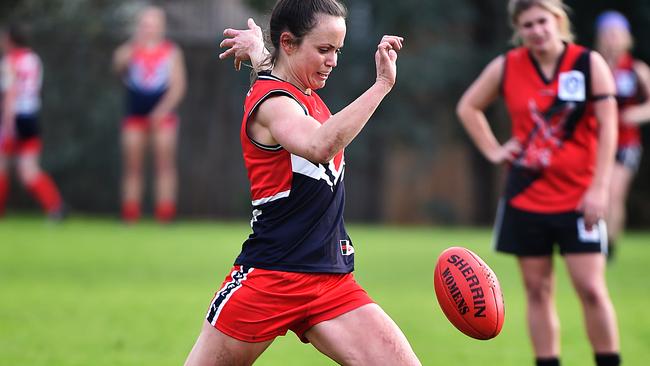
(170, 100)
(8, 111)
(637, 114)
(121, 59)
(345, 125)
(478, 129)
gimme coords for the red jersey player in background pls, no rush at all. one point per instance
(614, 42)
(153, 71)
(560, 98)
(21, 77)
(294, 270)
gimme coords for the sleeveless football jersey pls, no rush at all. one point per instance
(147, 77)
(554, 121)
(297, 204)
(22, 69)
(628, 92)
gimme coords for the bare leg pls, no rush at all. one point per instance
(588, 276)
(133, 148)
(364, 336)
(543, 321)
(28, 168)
(165, 140)
(213, 348)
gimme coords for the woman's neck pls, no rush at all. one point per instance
(549, 56)
(285, 72)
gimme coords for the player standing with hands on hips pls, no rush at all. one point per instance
(153, 71)
(294, 270)
(560, 98)
(614, 41)
(21, 76)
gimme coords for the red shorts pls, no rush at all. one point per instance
(257, 305)
(143, 123)
(20, 147)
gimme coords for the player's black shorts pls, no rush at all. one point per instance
(524, 233)
(27, 127)
(629, 156)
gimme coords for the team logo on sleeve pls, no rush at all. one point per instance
(571, 86)
(346, 247)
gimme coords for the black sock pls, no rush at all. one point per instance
(547, 361)
(608, 359)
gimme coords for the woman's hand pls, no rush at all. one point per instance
(594, 205)
(385, 59)
(243, 45)
(506, 152)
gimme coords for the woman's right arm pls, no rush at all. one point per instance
(121, 58)
(8, 92)
(470, 110)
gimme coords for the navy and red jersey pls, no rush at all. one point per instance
(21, 70)
(147, 77)
(297, 204)
(628, 92)
(554, 122)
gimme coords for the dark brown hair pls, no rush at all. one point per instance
(298, 17)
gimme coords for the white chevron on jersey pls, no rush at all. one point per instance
(303, 166)
(276, 196)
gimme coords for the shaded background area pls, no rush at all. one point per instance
(412, 164)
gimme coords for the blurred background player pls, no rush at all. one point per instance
(295, 270)
(22, 75)
(560, 98)
(614, 42)
(153, 71)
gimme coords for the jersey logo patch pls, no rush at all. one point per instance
(346, 247)
(571, 86)
(625, 83)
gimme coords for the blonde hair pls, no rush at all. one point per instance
(556, 7)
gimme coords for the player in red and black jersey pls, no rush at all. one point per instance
(560, 98)
(632, 76)
(294, 270)
(153, 71)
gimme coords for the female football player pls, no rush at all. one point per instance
(295, 269)
(153, 72)
(614, 42)
(560, 98)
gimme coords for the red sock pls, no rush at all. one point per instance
(165, 211)
(46, 193)
(4, 192)
(130, 211)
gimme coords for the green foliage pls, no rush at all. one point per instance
(93, 292)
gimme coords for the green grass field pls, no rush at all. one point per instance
(91, 291)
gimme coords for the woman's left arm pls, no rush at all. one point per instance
(594, 202)
(177, 87)
(639, 113)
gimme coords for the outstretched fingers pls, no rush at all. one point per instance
(241, 43)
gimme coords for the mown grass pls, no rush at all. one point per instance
(91, 291)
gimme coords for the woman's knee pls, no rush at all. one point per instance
(27, 172)
(539, 292)
(592, 294)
